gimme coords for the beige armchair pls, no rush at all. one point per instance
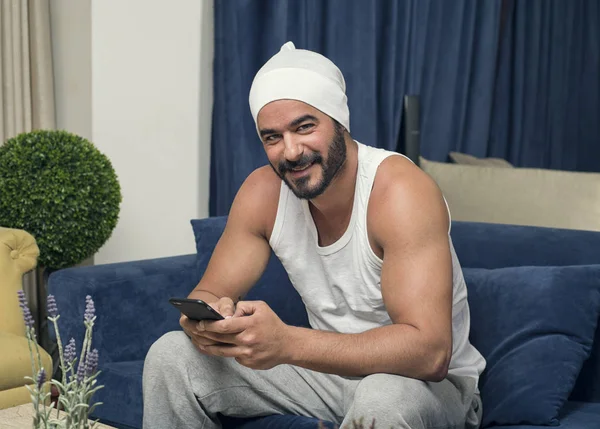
(18, 255)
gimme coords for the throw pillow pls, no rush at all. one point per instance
(535, 328)
(466, 159)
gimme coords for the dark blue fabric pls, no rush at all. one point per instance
(547, 95)
(535, 327)
(484, 245)
(274, 286)
(131, 301)
(488, 245)
(121, 397)
(574, 415)
(443, 51)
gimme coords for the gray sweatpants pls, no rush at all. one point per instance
(186, 389)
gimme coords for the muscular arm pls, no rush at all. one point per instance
(416, 284)
(242, 253)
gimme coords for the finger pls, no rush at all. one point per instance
(246, 308)
(188, 326)
(185, 322)
(226, 308)
(204, 341)
(227, 326)
(216, 338)
(225, 351)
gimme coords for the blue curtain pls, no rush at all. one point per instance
(495, 78)
(547, 96)
(444, 51)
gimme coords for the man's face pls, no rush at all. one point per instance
(305, 147)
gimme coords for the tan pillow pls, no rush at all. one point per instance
(466, 159)
(519, 196)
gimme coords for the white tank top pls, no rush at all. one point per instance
(340, 284)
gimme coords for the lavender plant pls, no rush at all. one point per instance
(79, 376)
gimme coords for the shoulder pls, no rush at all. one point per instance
(405, 200)
(255, 204)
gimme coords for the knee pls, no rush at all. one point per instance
(390, 399)
(167, 350)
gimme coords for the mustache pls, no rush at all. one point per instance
(285, 166)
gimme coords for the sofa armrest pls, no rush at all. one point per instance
(131, 302)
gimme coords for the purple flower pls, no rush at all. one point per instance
(70, 352)
(90, 310)
(91, 362)
(22, 299)
(52, 308)
(80, 372)
(26, 313)
(41, 378)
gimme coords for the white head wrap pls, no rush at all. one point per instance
(298, 74)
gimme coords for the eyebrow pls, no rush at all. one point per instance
(292, 124)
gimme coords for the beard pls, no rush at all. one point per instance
(336, 157)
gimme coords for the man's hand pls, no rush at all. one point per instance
(255, 336)
(224, 306)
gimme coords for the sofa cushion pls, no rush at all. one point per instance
(574, 415)
(535, 327)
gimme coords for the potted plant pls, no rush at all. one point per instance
(62, 190)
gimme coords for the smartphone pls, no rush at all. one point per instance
(195, 309)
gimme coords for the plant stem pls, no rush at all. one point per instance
(85, 344)
(54, 321)
(36, 420)
(48, 375)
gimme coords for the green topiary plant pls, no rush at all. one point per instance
(58, 187)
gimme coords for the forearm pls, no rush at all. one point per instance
(395, 349)
(203, 295)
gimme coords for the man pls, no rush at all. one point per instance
(364, 237)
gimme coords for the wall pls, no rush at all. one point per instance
(71, 55)
(136, 78)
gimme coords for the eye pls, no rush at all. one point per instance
(305, 127)
(272, 138)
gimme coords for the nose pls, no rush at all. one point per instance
(293, 148)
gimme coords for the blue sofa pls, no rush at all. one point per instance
(534, 295)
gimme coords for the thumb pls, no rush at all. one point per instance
(245, 308)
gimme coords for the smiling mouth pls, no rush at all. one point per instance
(296, 169)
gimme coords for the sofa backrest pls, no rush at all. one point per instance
(478, 245)
(488, 245)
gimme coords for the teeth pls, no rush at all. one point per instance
(301, 168)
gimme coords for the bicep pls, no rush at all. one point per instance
(416, 283)
(416, 277)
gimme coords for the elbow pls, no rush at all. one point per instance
(439, 364)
